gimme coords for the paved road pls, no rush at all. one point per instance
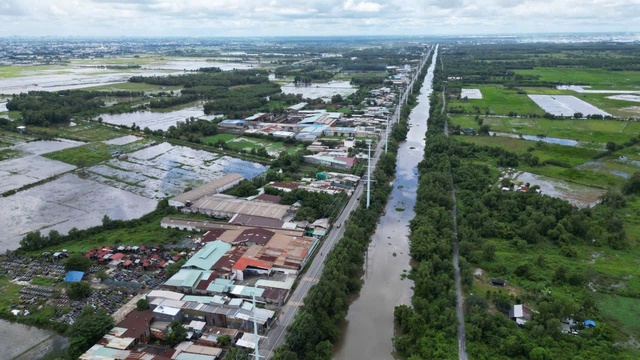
(290, 309)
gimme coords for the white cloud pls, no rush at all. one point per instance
(312, 17)
(362, 6)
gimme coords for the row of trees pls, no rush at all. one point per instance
(487, 215)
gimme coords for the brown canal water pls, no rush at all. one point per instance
(369, 327)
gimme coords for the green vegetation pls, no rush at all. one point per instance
(143, 231)
(43, 281)
(596, 78)
(587, 131)
(496, 100)
(553, 255)
(87, 329)
(93, 153)
(130, 86)
(78, 290)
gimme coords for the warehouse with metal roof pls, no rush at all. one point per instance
(224, 206)
(217, 186)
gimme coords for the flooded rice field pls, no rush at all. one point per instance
(81, 75)
(15, 339)
(166, 170)
(47, 146)
(551, 140)
(153, 120)
(369, 327)
(65, 203)
(321, 90)
(578, 195)
(26, 170)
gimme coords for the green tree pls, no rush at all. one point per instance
(245, 188)
(175, 333)
(87, 329)
(142, 304)
(77, 262)
(175, 267)
(632, 186)
(236, 353)
(78, 290)
(224, 340)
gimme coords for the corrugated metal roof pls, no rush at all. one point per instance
(208, 255)
(287, 284)
(207, 189)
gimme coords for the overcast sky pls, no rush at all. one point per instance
(313, 17)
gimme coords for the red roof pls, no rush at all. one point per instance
(145, 263)
(242, 264)
(177, 257)
(127, 263)
(155, 256)
(348, 160)
(269, 198)
(256, 235)
(117, 256)
(162, 263)
(212, 235)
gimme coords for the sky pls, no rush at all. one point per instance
(213, 18)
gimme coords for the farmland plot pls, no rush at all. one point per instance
(565, 105)
(26, 170)
(63, 204)
(166, 170)
(153, 120)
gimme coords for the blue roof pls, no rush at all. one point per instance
(589, 323)
(74, 276)
(232, 122)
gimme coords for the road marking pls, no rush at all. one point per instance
(295, 303)
(310, 279)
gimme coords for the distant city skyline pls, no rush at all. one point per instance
(212, 18)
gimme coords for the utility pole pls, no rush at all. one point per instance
(386, 138)
(256, 354)
(369, 175)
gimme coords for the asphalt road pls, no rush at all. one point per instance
(277, 333)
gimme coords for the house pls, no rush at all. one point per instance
(497, 282)
(520, 314)
(167, 313)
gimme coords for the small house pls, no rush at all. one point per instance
(520, 314)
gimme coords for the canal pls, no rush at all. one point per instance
(369, 327)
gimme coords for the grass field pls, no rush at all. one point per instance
(12, 71)
(597, 78)
(91, 131)
(9, 293)
(144, 234)
(624, 311)
(573, 156)
(238, 142)
(93, 153)
(43, 281)
(597, 131)
(619, 108)
(497, 100)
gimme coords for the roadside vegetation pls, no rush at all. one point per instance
(563, 262)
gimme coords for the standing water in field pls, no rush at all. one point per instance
(369, 324)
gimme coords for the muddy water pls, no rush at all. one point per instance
(369, 324)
